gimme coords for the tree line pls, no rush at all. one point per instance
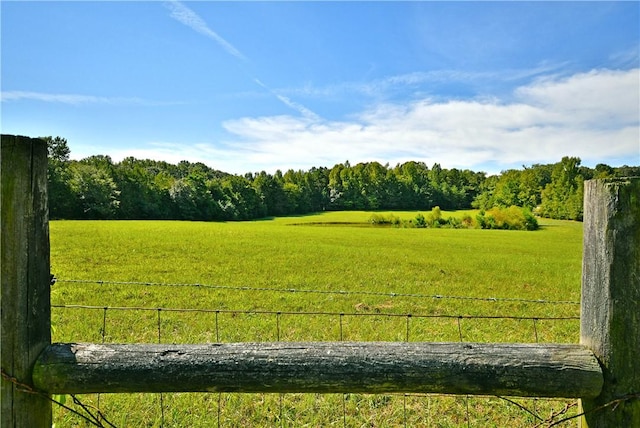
(98, 188)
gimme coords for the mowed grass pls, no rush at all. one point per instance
(351, 282)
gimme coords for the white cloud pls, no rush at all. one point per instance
(382, 87)
(594, 115)
(598, 98)
(73, 99)
(626, 58)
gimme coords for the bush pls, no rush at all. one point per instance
(454, 222)
(531, 222)
(437, 214)
(380, 220)
(467, 221)
(512, 218)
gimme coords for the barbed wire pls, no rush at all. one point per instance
(315, 291)
(324, 313)
(615, 402)
(94, 419)
(363, 311)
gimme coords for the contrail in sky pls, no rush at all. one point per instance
(289, 103)
(186, 16)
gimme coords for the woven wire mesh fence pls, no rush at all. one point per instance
(147, 324)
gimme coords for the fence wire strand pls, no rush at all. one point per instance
(281, 415)
(328, 313)
(314, 291)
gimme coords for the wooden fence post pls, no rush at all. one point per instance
(610, 319)
(26, 312)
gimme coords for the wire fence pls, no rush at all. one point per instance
(109, 324)
(312, 291)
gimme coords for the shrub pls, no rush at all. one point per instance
(420, 221)
(513, 218)
(454, 222)
(531, 222)
(467, 221)
(481, 220)
(437, 214)
(378, 219)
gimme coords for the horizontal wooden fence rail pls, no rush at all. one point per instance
(602, 371)
(530, 370)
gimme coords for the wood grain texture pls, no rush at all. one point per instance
(26, 312)
(610, 313)
(322, 367)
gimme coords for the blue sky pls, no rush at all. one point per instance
(252, 86)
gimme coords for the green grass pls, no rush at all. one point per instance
(270, 257)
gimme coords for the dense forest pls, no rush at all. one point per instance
(98, 188)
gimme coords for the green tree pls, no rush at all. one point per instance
(317, 182)
(532, 181)
(374, 185)
(141, 195)
(337, 188)
(61, 199)
(271, 192)
(95, 191)
(240, 201)
(522, 188)
(297, 191)
(603, 171)
(195, 197)
(416, 190)
(507, 190)
(627, 171)
(562, 198)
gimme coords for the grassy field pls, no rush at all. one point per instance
(352, 282)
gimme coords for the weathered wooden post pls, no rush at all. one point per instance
(610, 319)
(26, 312)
